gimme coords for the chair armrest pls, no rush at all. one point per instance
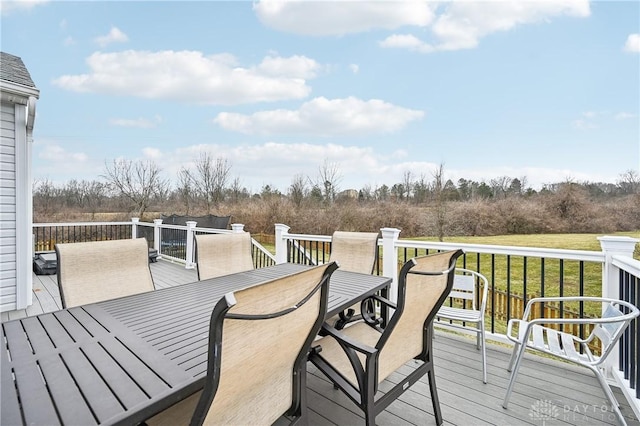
(347, 341)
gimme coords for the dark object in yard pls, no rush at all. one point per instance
(208, 221)
(153, 255)
(45, 264)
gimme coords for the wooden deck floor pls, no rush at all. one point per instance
(547, 392)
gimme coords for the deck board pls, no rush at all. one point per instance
(464, 399)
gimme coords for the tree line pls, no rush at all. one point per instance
(139, 187)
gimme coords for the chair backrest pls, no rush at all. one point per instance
(466, 284)
(259, 338)
(100, 270)
(423, 285)
(355, 251)
(223, 254)
(610, 332)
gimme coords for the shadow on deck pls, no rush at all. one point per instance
(547, 392)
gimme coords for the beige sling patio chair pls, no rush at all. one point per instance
(100, 270)
(354, 252)
(223, 254)
(539, 335)
(359, 357)
(465, 308)
(259, 339)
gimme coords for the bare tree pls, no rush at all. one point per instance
(298, 189)
(629, 182)
(329, 177)
(440, 202)
(45, 197)
(407, 183)
(236, 190)
(500, 186)
(136, 181)
(185, 189)
(210, 179)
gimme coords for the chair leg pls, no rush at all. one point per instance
(516, 348)
(518, 352)
(609, 394)
(484, 355)
(434, 395)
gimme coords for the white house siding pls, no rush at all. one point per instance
(8, 279)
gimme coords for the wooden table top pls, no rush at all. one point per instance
(123, 360)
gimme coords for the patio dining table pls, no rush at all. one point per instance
(123, 360)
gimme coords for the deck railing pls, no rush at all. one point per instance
(515, 274)
(172, 242)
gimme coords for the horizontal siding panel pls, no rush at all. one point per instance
(7, 175)
(8, 209)
(7, 192)
(7, 258)
(8, 244)
(7, 107)
(7, 114)
(7, 147)
(7, 199)
(7, 183)
(8, 133)
(6, 223)
(6, 274)
(9, 266)
(6, 307)
(8, 232)
(9, 166)
(8, 288)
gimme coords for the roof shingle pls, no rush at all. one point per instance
(13, 69)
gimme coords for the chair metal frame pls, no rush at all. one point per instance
(535, 334)
(466, 283)
(364, 358)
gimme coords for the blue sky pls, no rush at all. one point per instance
(545, 90)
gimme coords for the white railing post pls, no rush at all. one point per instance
(612, 246)
(390, 259)
(134, 227)
(237, 227)
(189, 258)
(281, 243)
(156, 234)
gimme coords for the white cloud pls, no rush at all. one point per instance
(142, 123)
(294, 67)
(7, 7)
(453, 24)
(355, 68)
(52, 152)
(322, 116)
(625, 116)
(406, 41)
(115, 36)
(462, 24)
(583, 124)
(341, 17)
(633, 43)
(189, 76)
(152, 153)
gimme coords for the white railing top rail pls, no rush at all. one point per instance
(584, 255)
(579, 255)
(627, 264)
(56, 224)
